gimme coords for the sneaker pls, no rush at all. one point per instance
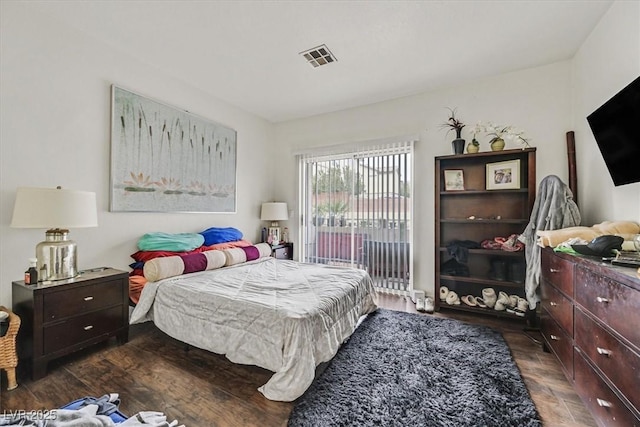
(428, 305)
(420, 304)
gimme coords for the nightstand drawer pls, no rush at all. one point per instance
(73, 301)
(81, 328)
(283, 251)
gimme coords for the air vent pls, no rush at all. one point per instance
(319, 55)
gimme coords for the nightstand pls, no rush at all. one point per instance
(63, 316)
(282, 251)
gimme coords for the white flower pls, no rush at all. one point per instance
(505, 132)
(479, 127)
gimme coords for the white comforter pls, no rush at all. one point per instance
(283, 316)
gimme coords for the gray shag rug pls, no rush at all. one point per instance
(404, 369)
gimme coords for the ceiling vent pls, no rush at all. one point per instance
(319, 55)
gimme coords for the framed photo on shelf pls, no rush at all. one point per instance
(503, 175)
(453, 180)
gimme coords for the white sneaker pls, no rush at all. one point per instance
(428, 305)
(420, 304)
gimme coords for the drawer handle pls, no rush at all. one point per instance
(554, 270)
(604, 351)
(89, 298)
(88, 327)
(604, 403)
(553, 304)
(554, 337)
(601, 299)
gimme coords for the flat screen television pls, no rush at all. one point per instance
(616, 128)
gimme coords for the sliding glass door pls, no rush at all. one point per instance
(357, 208)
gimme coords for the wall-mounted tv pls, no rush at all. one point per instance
(616, 128)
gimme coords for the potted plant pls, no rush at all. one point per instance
(500, 133)
(453, 123)
(474, 145)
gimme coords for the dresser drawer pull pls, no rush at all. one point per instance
(604, 351)
(604, 403)
(88, 327)
(554, 270)
(554, 337)
(89, 298)
(601, 299)
(553, 304)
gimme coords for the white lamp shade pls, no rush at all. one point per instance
(54, 208)
(274, 211)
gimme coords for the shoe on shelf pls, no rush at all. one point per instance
(420, 304)
(444, 291)
(480, 302)
(469, 300)
(453, 298)
(428, 305)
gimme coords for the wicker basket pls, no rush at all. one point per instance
(8, 354)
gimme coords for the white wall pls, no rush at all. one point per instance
(537, 100)
(55, 114)
(607, 61)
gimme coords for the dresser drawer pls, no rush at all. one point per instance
(602, 402)
(83, 299)
(559, 342)
(617, 361)
(558, 306)
(557, 271)
(615, 304)
(81, 328)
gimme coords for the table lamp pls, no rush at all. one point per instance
(274, 212)
(57, 210)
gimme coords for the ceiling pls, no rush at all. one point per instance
(247, 52)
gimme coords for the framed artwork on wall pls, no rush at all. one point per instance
(453, 180)
(503, 175)
(164, 159)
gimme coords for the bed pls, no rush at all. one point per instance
(281, 315)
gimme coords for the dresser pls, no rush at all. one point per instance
(590, 320)
(63, 316)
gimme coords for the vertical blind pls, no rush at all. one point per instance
(356, 205)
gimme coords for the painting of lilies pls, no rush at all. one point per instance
(164, 159)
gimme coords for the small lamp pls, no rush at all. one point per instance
(57, 210)
(274, 212)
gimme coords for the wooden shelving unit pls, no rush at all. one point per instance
(476, 213)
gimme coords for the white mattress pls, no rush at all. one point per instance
(281, 315)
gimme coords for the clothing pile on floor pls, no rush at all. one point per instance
(86, 412)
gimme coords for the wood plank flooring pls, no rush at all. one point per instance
(155, 372)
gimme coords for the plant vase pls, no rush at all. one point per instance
(473, 146)
(458, 145)
(497, 144)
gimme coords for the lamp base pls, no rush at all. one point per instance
(57, 256)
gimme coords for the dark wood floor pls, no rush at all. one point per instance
(153, 372)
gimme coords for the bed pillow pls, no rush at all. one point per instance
(163, 267)
(264, 249)
(248, 253)
(181, 242)
(215, 235)
(143, 256)
(234, 256)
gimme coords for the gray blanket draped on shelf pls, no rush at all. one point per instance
(553, 209)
